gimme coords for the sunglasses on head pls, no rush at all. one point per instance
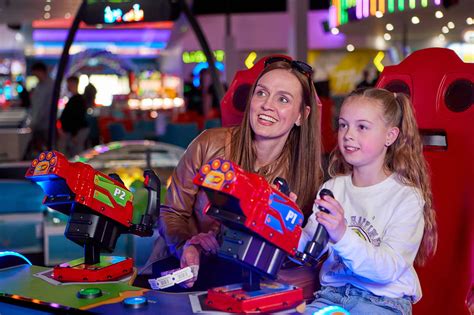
(301, 66)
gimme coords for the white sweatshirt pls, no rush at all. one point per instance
(384, 231)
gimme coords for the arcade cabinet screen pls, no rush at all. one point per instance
(108, 85)
(130, 11)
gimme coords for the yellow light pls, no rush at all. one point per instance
(378, 61)
(382, 6)
(250, 59)
(373, 7)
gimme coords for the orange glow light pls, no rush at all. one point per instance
(229, 175)
(216, 164)
(225, 167)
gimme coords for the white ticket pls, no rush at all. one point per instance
(174, 277)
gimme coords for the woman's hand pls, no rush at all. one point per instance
(333, 221)
(202, 242)
(190, 257)
(293, 197)
(207, 241)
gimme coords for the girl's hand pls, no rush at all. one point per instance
(333, 221)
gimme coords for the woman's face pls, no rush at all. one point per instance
(275, 105)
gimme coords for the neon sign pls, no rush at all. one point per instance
(343, 11)
(198, 56)
(116, 15)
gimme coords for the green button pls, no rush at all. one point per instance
(89, 293)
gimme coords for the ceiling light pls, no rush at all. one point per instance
(378, 14)
(445, 30)
(47, 15)
(415, 20)
(439, 14)
(389, 27)
(334, 31)
(67, 15)
(470, 21)
(451, 25)
(468, 36)
(350, 47)
(387, 36)
(47, 8)
(441, 37)
(19, 37)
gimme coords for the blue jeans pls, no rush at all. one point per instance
(358, 301)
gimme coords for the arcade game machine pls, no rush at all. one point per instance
(441, 88)
(263, 226)
(100, 209)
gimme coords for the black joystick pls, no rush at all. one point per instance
(282, 185)
(320, 238)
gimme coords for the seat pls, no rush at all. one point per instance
(145, 128)
(180, 134)
(118, 133)
(440, 86)
(212, 123)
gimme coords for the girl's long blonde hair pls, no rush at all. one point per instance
(301, 155)
(404, 157)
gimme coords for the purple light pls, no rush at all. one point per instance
(437, 2)
(88, 35)
(366, 8)
(55, 305)
(332, 16)
(359, 9)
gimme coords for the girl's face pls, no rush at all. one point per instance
(363, 134)
(275, 105)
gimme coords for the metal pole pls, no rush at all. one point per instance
(217, 85)
(60, 74)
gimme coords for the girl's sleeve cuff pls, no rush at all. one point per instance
(347, 243)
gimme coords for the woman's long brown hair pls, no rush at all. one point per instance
(301, 155)
(404, 157)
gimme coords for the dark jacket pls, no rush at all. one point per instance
(73, 117)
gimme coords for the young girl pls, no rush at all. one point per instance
(381, 219)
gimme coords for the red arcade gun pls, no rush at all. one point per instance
(261, 226)
(99, 209)
(441, 88)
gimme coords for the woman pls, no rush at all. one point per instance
(278, 137)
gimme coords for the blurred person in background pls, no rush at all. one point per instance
(40, 107)
(89, 95)
(74, 127)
